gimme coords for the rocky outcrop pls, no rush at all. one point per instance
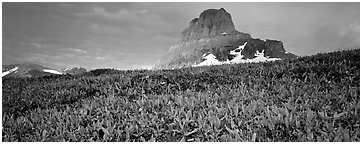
(274, 48)
(75, 70)
(211, 22)
(271, 48)
(253, 46)
(214, 32)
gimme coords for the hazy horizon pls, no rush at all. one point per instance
(136, 35)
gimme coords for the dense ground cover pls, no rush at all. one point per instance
(314, 98)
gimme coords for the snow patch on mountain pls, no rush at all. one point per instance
(52, 71)
(210, 59)
(237, 54)
(9, 71)
(259, 58)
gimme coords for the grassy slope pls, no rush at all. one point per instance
(313, 98)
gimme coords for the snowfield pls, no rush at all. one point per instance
(52, 71)
(9, 71)
(210, 59)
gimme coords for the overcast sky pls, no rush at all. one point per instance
(136, 35)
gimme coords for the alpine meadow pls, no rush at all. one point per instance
(215, 84)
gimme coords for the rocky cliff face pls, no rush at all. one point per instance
(214, 32)
(211, 22)
(274, 48)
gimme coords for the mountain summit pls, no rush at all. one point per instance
(213, 32)
(211, 22)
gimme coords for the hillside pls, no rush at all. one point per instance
(313, 98)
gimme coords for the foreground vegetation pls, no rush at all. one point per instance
(313, 98)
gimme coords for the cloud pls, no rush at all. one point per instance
(69, 55)
(77, 50)
(101, 58)
(40, 58)
(124, 19)
(105, 30)
(117, 15)
(33, 44)
(352, 31)
(37, 45)
(45, 56)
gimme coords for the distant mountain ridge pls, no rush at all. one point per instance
(213, 32)
(35, 70)
(74, 70)
(27, 70)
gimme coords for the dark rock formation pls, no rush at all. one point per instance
(274, 48)
(253, 46)
(214, 32)
(210, 23)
